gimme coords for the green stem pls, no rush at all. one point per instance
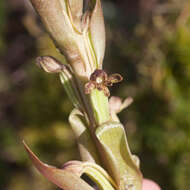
(100, 106)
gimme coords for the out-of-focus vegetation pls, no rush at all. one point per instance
(148, 42)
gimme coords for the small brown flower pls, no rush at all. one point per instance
(100, 80)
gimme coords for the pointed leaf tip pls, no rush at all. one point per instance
(63, 179)
(97, 32)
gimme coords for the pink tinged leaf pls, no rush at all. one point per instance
(127, 102)
(97, 33)
(63, 179)
(74, 166)
(117, 105)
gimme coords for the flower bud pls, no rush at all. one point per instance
(49, 64)
(79, 36)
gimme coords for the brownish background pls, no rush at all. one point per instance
(148, 42)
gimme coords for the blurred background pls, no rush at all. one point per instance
(148, 43)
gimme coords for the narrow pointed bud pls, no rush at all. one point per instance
(49, 64)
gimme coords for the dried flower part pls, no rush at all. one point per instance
(100, 80)
(98, 76)
(89, 87)
(105, 90)
(114, 78)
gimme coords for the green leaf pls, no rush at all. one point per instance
(99, 176)
(96, 173)
(86, 144)
(119, 159)
(71, 87)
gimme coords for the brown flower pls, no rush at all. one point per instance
(100, 80)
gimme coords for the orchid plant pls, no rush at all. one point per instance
(78, 31)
